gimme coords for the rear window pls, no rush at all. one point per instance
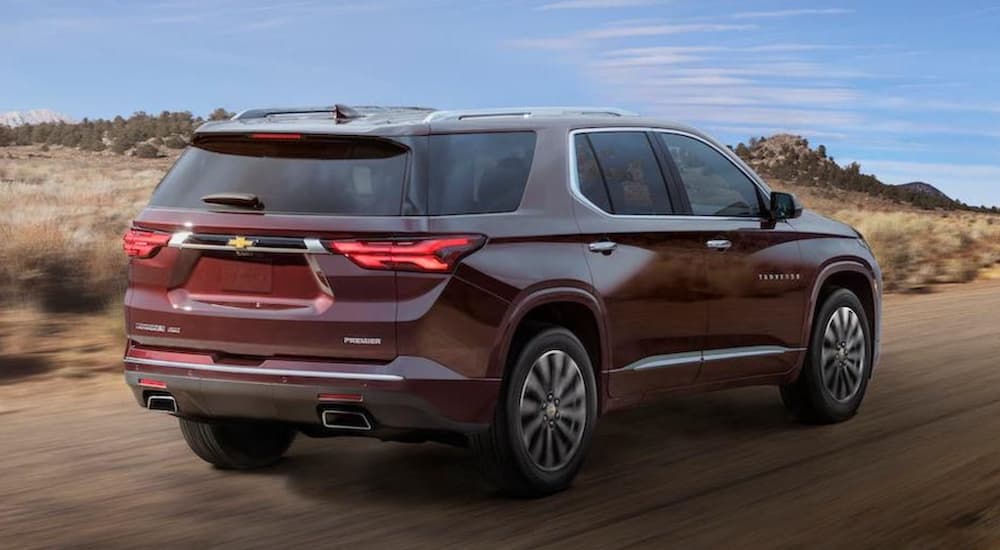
(478, 173)
(312, 176)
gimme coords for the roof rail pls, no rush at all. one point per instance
(337, 111)
(527, 112)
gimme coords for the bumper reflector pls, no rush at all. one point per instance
(149, 383)
(342, 397)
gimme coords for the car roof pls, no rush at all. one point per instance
(401, 121)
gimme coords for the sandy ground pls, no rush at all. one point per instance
(918, 468)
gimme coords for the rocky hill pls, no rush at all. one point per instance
(926, 188)
(791, 159)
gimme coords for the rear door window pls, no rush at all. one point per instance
(632, 179)
(478, 173)
(307, 176)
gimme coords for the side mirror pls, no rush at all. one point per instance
(784, 206)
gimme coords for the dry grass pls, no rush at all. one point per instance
(920, 249)
(64, 212)
(915, 248)
(34, 342)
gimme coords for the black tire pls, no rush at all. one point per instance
(504, 456)
(813, 398)
(237, 445)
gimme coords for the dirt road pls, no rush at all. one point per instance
(918, 468)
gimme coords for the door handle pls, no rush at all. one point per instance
(604, 247)
(719, 244)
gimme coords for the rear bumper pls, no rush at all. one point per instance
(408, 393)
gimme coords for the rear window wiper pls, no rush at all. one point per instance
(243, 200)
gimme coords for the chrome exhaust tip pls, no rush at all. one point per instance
(343, 419)
(162, 403)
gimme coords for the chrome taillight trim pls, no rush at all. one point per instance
(309, 246)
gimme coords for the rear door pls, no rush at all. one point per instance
(246, 225)
(646, 264)
(756, 295)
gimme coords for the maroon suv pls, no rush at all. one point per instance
(493, 278)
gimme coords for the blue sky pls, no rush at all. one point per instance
(909, 89)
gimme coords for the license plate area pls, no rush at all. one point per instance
(247, 276)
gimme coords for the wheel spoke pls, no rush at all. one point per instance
(845, 322)
(534, 387)
(560, 446)
(543, 370)
(536, 443)
(850, 376)
(569, 379)
(532, 426)
(549, 459)
(530, 409)
(843, 383)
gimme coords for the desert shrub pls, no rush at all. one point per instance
(174, 142)
(918, 249)
(147, 151)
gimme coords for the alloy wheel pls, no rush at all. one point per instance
(844, 353)
(553, 410)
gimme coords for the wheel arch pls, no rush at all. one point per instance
(851, 275)
(572, 308)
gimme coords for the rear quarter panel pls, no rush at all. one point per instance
(534, 255)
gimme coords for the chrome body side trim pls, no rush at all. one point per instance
(267, 372)
(749, 351)
(692, 357)
(661, 361)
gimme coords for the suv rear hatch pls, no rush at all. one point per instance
(246, 248)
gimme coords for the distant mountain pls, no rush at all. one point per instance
(34, 116)
(925, 189)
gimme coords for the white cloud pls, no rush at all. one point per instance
(587, 38)
(760, 116)
(594, 4)
(790, 13)
(631, 31)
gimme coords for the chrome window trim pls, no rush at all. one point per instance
(704, 356)
(574, 176)
(267, 372)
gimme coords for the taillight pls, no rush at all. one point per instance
(435, 254)
(143, 244)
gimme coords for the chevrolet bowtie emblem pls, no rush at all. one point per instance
(239, 243)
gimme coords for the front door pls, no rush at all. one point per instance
(754, 285)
